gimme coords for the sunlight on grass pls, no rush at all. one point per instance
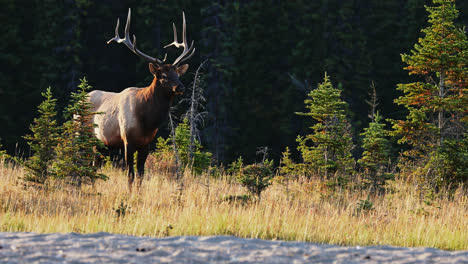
(399, 218)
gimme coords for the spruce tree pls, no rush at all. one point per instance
(330, 153)
(288, 170)
(42, 141)
(77, 145)
(376, 153)
(437, 116)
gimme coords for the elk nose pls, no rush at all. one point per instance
(180, 88)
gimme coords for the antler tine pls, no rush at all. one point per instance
(184, 30)
(127, 25)
(183, 44)
(126, 40)
(117, 37)
(189, 56)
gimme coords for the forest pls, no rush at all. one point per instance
(263, 59)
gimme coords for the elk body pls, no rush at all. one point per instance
(131, 118)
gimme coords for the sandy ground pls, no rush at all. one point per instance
(111, 248)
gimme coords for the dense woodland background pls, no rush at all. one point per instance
(255, 51)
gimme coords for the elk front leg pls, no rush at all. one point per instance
(129, 151)
(142, 155)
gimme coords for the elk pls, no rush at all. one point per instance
(131, 118)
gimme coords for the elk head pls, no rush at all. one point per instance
(165, 74)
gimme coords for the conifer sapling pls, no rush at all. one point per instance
(42, 141)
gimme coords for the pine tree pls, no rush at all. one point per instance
(437, 107)
(42, 141)
(77, 146)
(376, 153)
(330, 153)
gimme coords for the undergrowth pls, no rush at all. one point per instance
(345, 217)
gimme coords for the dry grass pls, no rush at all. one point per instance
(400, 218)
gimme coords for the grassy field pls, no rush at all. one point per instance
(400, 218)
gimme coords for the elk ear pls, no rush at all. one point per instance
(155, 70)
(182, 69)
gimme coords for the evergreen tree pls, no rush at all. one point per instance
(42, 141)
(77, 145)
(376, 153)
(216, 38)
(436, 107)
(330, 153)
(287, 167)
(288, 170)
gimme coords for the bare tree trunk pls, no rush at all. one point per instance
(373, 102)
(180, 183)
(192, 121)
(195, 101)
(326, 152)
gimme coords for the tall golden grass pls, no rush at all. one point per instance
(401, 218)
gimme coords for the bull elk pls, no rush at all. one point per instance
(131, 118)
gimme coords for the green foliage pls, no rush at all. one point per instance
(288, 171)
(437, 117)
(237, 199)
(77, 145)
(201, 159)
(449, 163)
(235, 168)
(364, 206)
(2, 152)
(33, 58)
(376, 153)
(329, 156)
(256, 177)
(122, 209)
(288, 168)
(251, 46)
(43, 140)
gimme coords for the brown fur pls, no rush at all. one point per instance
(132, 117)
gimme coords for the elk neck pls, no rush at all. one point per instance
(153, 105)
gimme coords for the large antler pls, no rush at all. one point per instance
(130, 45)
(183, 44)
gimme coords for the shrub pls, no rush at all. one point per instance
(3, 153)
(164, 154)
(235, 168)
(256, 177)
